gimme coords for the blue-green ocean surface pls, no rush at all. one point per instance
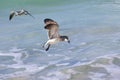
(93, 27)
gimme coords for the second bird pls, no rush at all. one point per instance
(19, 13)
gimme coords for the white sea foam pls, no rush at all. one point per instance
(55, 76)
(97, 76)
(112, 69)
(62, 64)
(111, 72)
(28, 69)
(22, 69)
(15, 49)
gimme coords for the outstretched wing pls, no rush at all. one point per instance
(27, 13)
(11, 15)
(52, 31)
(52, 28)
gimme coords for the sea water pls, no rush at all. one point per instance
(93, 28)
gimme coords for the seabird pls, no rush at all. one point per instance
(19, 13)
(53, 34)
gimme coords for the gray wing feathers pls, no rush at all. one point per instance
(53, 32)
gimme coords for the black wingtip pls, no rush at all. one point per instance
(11, 15)
(30, 15)
(10, 19)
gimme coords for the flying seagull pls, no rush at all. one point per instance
(19, 13)
(53, 34)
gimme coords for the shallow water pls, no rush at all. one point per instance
(92, 26)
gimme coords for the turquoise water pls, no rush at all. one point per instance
(92, 26)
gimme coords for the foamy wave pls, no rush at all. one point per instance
(19, 68)
(102, 68)
(55, 76)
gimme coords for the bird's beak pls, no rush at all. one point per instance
(68, 41)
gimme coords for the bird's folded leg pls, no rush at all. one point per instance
(47, 47)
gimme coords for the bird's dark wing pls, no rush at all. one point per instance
(11, 15)
(49, 21)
